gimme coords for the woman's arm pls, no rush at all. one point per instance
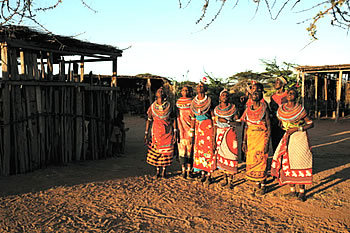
(148, 125)
(268, 127)
(308, 124)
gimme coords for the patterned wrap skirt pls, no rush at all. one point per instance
(226, 150)
(256, 160)
(203, 156)
(161, 148)
(292, 161)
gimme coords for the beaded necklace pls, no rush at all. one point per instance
(200, 107)
(183, 102)
(161, 110)
(293, 114)
(255, 116)
(229, 111)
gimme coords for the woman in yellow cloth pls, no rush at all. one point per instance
(256, 138)
(184, 140)
(161, 142)
(292, 161)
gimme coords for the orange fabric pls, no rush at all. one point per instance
(256, 158)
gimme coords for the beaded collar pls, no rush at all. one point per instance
(200, 107)
(161, 110)
(183, 102)
(229, 111)
(293, 114)
(255, 116)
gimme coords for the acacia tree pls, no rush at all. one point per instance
(337, 10)
(16, 11)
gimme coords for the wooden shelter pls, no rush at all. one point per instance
(326, 89)
(48, 118)
(136, 93)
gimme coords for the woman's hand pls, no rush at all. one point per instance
(266, 149)
(244, 147)
(146, 139)
(292, 130)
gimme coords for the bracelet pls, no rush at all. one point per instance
(146, 132)
(191, 129)
(149, 119)
(175, 130)
(301, 128)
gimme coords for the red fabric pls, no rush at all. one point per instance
(280, 98)
(203, 157)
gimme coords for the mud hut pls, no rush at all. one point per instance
(49, 118)
(326, 90)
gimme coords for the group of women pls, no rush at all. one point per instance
(206, 138)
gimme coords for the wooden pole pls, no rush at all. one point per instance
(114, 75)
(82, 69)
(23, 67)
(49, 66)
(339, 86)
(6, 112)
(326, 93)
(316, 96)
(303, 87)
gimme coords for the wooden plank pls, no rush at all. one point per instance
(114, 73)
(6, 112)
(49, 66)
(326, 93)
(39, 119)
(78, 124)
(5, 169)
(24, 164)
(302, 88)
(56, 124)
(14, 127)
(82, 69)
(42, 66)
(31, 45)
(339, 86)
(316, 96)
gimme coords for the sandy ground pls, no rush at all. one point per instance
(121, 195)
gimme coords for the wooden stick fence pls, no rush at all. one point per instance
(50, 120)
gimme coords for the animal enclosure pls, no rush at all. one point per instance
(48, 118)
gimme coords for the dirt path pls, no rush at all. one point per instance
(120, 195)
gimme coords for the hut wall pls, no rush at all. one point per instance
(50, 120)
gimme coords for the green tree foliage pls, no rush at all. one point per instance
(273, 70)
(239, 82)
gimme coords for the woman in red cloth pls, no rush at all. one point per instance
(226, 140)
(256, 138)
(184, 140)
(161, 142)
(292, 161)
(203, 132)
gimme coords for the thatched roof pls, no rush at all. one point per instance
(29, 38)
(325, 68)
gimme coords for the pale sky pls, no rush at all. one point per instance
(166, 41)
